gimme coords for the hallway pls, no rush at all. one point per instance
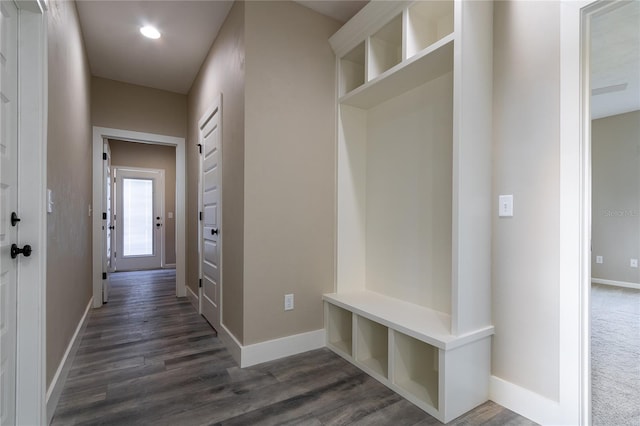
(148, 358)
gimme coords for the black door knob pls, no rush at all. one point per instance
(14, 219)
(25, 251)
(214, 231)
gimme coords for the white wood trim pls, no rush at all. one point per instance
(524, 402)
(270, 350)
(194, 299)
(32, 141)
(169, 266)
(99, 134)
(615, 283)
(367, 21)
(57, 383)
(233, 345)
(575, 222)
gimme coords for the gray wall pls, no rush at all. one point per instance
(525, 248)
(142, 109)
(223, 72)
(615, 144)
(69, 177)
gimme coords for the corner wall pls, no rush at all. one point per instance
(526, 158)
(289, 225)
(223, 72)
(69, 177)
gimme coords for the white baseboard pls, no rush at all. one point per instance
(615, 283)
(57, 383)
(257, 353)
(169, 266)
(233, 345)
(280, 348)
(529, 404)
(194, 299)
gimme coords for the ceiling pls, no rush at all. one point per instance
(117, 51)
(615, 61)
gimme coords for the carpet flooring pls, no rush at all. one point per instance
(615, 355)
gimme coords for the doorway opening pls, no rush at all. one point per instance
(100, 226)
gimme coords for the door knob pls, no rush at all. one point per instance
(25, 251)
(14, 219)
(214, 231)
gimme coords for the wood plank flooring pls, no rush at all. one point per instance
(148, 358)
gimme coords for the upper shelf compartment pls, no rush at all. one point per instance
(428, 22)
(385, 48)
(429, 64)
(352, 69)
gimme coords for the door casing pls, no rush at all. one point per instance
(99, 135)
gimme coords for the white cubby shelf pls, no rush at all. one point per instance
(412, 299)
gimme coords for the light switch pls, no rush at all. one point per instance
(599, 259)
(170, 215)
(633, 263)
(505, 208)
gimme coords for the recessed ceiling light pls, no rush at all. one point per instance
(150, 32)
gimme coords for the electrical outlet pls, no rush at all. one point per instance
(288, 302)
(599, 259)
(633, 263)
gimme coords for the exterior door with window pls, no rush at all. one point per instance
(138, 221)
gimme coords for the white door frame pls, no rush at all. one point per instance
(32, 190)
(101, 133)
(158, 190)
(575, 213)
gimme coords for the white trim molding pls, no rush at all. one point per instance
(57, 383)
(615, 283)
(32, 177)
(194, 299)
(101, 133)
(257, 353)
(524, 402)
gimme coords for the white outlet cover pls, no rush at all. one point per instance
(634, 263)
(599, 259)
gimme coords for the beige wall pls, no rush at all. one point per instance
(142, 109)
(153, 157)
(525, 248)
(289, 168)
(69, 177)
(222, 73)
(615, 144)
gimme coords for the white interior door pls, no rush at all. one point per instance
(210, 232)
(8, 205)
(108, 221)
(139, 218)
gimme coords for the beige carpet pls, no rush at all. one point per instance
(615, 355)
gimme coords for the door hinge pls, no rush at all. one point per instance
(115, 254)
(104, 216)
(104, 275)
(200, 148)
(104, 155)
(200, 282)
(200, 215)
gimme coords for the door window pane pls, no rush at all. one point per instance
(137, 221)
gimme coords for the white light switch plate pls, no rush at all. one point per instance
(599, 259)
(288, 302)
(633, 263)
(505, 207)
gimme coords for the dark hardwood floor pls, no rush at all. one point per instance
(148, 358)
